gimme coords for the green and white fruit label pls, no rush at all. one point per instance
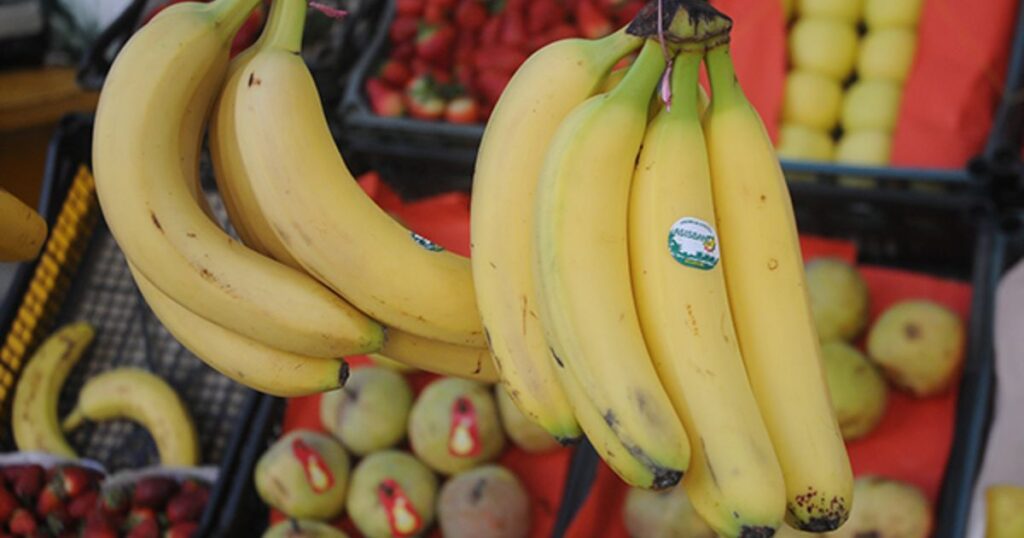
(694, 243)
(426, 243)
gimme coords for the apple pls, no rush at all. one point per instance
(812, 100)
(889, 13)
(887, 54)
(825, 46)
(804, 143)
(872, 104)
(864, 147)
(846, 10)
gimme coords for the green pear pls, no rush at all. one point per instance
(919, 345)
(303, 528)
(486, 501)
(525, 433)
(664, 513)
(454, 425)
(370, 412)
(858, 389)
(392, 494)
(885, 508)
(839, 298)
(304, 474)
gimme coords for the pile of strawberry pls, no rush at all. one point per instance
(450, 59)
(66, 501)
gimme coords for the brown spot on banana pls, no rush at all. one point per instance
(773, 264)
(156, 221)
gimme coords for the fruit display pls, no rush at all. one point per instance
(24, 230)
(486, 501)
(305, 474)
(392, 494)
(450, 60)
(156, 503)
(454, 426)
(370, 412)
(845, 88)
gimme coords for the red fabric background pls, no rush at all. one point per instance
(912, 443)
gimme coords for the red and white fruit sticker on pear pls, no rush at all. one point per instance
(318, 475)
(464, 434)
(403, 518)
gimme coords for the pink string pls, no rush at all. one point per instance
(328, 11)
(666, 77)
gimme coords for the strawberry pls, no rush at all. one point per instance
(562, 31)
(184, 529)
(191, 485)
(186, 506)
(385, 100)
(26, 481)
(59, 521)
(491, 83)
(49, 500)
(147, 527)
(465, 76)
(409, 8)
(403, 52)
(513, 29)
(113, 502)
(422, 99)
(441, 77)
(80, 506)
(248, 32)
(72, 481)
(628, 11)
(8, 502)
(100, 521)
(490, 34)
(434, 43)
(99, 532)
(462, 110)
(394, 73)
(590, 21)
(434, 14)
(403, 29)
(470, 14)
(420, 67)
(22, 522)
(502, 59)
(153, 492)
(543, 14)
(443, 4)
(465, 48)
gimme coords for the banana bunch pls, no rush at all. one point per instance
(638, 274)
(306, 285)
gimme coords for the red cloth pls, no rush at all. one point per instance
(912, 443)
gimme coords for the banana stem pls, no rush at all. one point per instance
(230, 14)
(285, 26)
(724, 88)
(685, 85)
(642, 76)
(74, 419)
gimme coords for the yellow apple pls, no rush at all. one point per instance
(812, 99)
(864, 147)
(887, 54)
(889, 13)
(872, 104)
(826, 46)
(798, 142)
(847, 10)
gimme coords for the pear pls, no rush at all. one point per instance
(486, 501)
(1004, 514)
(823, 45)
(839, 298)
(887, 54)
(845, 10)
(804, 143)
(454, 425)
(812, 100)
(919, 345)
(665, 513)
(884, 508)
(523, 432)
(303, 528)
(370, 412)
(858, 389)
(392, 494)
(872, 105)
(304, 474)
(892, 13)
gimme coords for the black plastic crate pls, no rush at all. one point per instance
(100, 290)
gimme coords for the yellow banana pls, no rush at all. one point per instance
(322, 216)
(34, 419)
(543, 91)
(734, 479)
(22, 230)
(439, 357)
(244, 360)
(581, 263)
(768, 296)
(137, 395)
(146, 199)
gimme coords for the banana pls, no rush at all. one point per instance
(322, 216)
(439, 357)
(22, 230)
(540, 95)
(138, 395)
(145, 197)
(242, 359)
(581, 263)
(768, 296)
(734, 480)
(34, 419)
